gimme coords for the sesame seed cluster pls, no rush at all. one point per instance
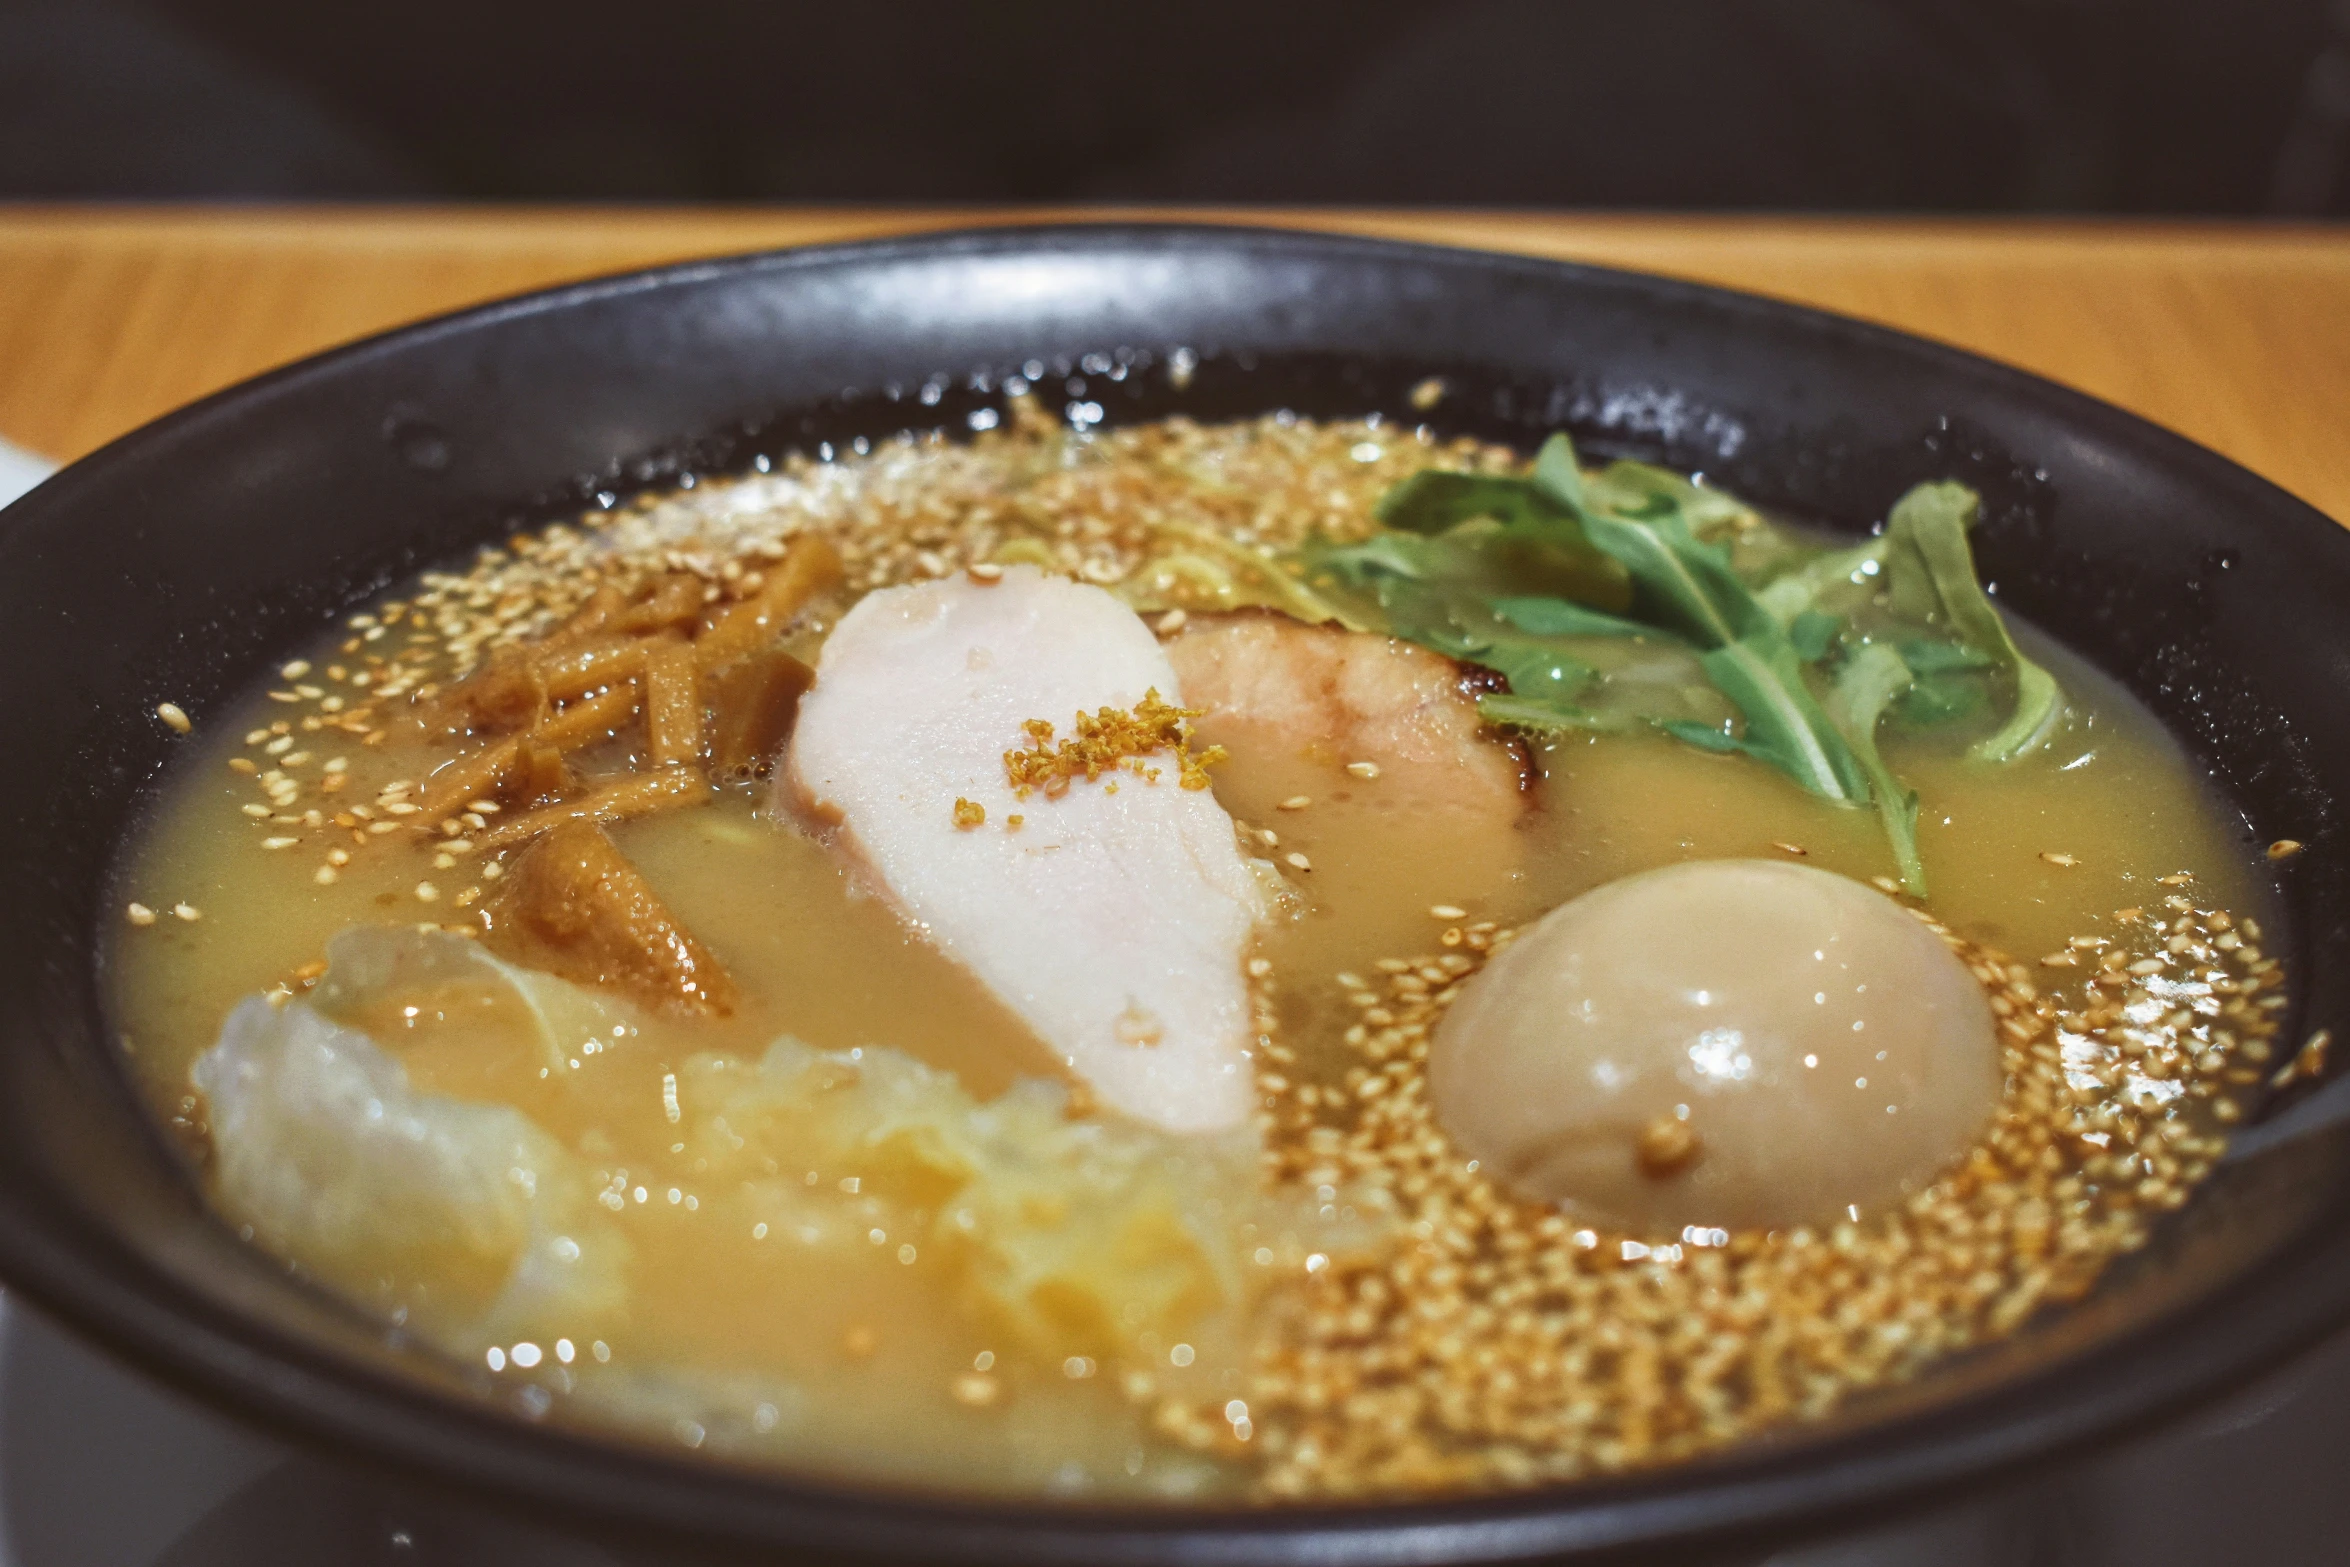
(1496, 1342)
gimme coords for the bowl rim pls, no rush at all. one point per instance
(2210, 1343)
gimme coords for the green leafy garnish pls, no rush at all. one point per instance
(1951, 683)
(1536, 672)
(1812, 634)
(1433, 500)
(1522, 574)
(1549, 617)
(1546, 717)
(1931, 572)
(1690, 587)
(1827, 579)
(1870, 681)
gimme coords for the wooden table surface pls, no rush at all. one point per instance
(2236, 336)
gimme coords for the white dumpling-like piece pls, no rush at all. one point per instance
(1724, 1042)
(1114, 918)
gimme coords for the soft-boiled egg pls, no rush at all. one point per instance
(1722, 1043)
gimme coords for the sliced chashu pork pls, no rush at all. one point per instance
(1112, 920)
(1431, 814)
(1269, 684)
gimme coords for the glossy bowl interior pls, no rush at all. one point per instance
(174, 564)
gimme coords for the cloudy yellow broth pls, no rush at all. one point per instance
(774, 1309)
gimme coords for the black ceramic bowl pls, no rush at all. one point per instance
(175, 563)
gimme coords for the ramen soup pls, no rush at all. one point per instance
(1273, 960)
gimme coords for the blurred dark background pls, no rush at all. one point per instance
(2229, 107)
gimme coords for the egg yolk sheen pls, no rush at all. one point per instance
(1741, 1043)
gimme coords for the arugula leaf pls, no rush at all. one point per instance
(1831, 575)
(1381, 555)
(1743, 649)
(1933, 700)
(1927, 657)
(1558, 475)
(1784, 724)
(1869, 682)
(1950, 682)
(1555, 617)
(1496, 569)
(1546, 717)
(1706, 737)
(1811, 634)
(1534, 671)
(1641, 490)
(1436, 499)
(1932, 570)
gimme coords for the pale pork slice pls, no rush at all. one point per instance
(1267, 683)
(1114, 915)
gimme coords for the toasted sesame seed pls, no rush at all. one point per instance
(1796, 849)
(296, 670)
(1939, 1279)
(2284, 848)
(240, 764)
(1885, 884)
(1171, 622)
(257, 811)
(188, 912)
(1258, 968)
(984, 571)
(1665, 1147)
(426, 892)
(1296, 802)
(335, 764)
(174, 717)
(2062, 861)
(1363, 769)
(279, 843)
(139, 914)
(1298, 861)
